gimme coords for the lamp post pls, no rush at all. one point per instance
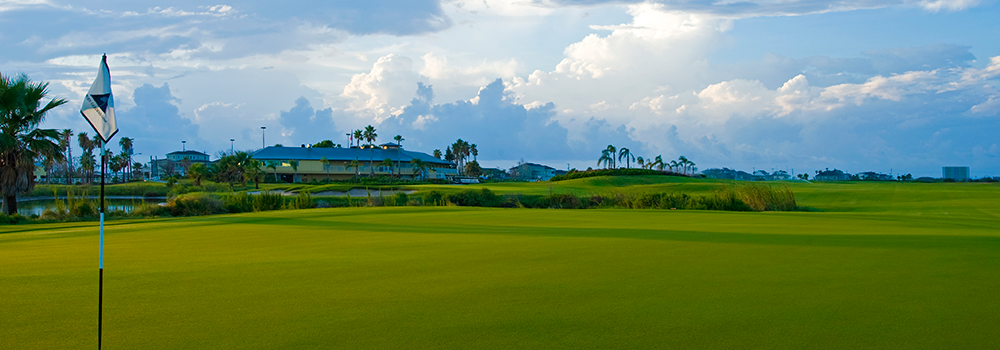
(232, 146)
(262, 142)
(183, 146)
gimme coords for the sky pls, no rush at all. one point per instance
(857, 85)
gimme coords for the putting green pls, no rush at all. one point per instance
(884, 266)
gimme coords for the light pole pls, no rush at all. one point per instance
(183, 147)
(262, 142)
(232, 146)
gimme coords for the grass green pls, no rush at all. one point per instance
(884, 265)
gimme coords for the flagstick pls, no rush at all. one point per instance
(100, 293)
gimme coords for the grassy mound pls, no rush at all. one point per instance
(574, 174)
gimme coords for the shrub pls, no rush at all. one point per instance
(238, 202)
(194, 204)
(398, 199)
(302, 201)
(433, 198)
(83, 208)
(150, 209)
(760, 197)
(473, 198)
(267, 201)
(214, 187)
(562, 201)
(12, 219)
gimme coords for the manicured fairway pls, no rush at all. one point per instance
(885, 266)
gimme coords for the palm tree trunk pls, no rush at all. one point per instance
(10, 203)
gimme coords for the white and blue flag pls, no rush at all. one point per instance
(99, 105)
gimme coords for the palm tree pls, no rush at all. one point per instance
(370, 137)
(612, 151)
(399, 147)
(136, 169)
(460, 150)
(231, 168)
(683, 161)
(64, 142)
(418, 167)
(642, 162)
(326, 166)
(464, 149)
(659, 163)
(357, 136)
(624, 152)
(106, 161)
(126, 144)
(88, 149)
(87, 163)
(21, 141)
(437, 154)
(356, 165)
(273, 165)
(295, 169)
(475, 153)
(605, 159)
(49, 162)
(252, 172)
(387, 163)
(116, 164)
(197, 172)
(673, 165)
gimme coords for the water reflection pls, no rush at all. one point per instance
(38, 206)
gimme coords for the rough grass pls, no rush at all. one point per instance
(883, 266)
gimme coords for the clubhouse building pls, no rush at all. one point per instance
(338, 163)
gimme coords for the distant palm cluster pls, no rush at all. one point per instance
(611, 156)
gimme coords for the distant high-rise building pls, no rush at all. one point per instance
(957, 173)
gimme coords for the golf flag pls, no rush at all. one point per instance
(99, 110)
(99, 106)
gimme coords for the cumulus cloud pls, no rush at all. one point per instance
(743, 122)
(308, 125)
(502, 128)
(436, 67)
(156, 123)
(383, 91)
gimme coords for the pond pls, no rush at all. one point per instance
(27, 207)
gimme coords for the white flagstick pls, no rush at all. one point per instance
(100, 293)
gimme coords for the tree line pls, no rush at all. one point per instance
(611, 156)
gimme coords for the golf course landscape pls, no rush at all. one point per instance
(869, 265)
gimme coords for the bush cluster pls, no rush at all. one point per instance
(749, 197)
(737, 197)
(13, 219)
(200, 203)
